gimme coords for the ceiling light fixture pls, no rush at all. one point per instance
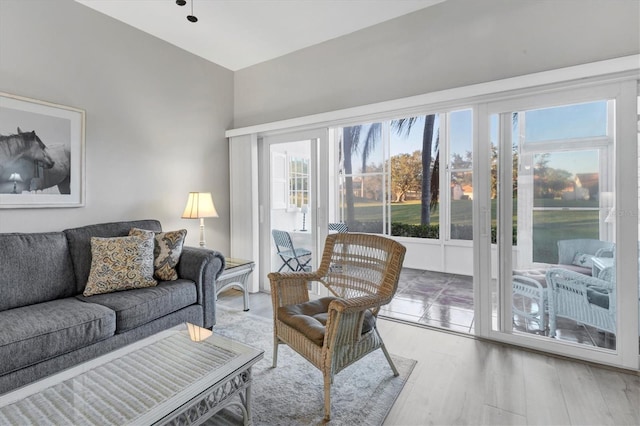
(192, 17)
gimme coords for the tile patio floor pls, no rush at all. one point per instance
(446, 301)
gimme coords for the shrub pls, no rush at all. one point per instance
(458, 232)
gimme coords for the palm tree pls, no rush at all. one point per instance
(430, 179)
(403, 126)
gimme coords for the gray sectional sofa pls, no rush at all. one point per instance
(46, 325)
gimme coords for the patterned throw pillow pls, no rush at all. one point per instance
(120, 263)
(582, 259)
(167, 251)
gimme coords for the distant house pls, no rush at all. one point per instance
(585, 187)
(461, 192)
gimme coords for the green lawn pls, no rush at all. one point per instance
(548, 227)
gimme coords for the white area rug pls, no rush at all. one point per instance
(292, 393)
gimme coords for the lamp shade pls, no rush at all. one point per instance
(199, 205)
(15, 177)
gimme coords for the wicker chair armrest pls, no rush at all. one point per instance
(290, 288)
(346, 317)
(576, 280)
(358, 304)
(604, 252)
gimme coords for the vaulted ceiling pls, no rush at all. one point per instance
(239, 33)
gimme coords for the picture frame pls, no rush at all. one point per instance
(41, 154)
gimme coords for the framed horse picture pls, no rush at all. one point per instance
(41, 154)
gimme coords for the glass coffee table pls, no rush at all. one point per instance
(164, 379)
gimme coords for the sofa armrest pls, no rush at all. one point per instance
(203, 266)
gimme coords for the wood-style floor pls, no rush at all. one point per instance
(465, 381)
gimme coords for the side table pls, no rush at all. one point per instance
(599, 264)
(236, 274)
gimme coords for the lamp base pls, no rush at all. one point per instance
(202, 241)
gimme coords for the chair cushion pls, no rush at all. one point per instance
(575, 268)
(310, 318)
(598, 296)
(140, 306)
(583, 259)
(35, 333)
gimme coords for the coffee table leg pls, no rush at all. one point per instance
(248, 420)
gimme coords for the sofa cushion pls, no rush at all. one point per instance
(137, 307)
(167, 251)
(120, 263)
(35, 333)
(34, 268)
(310, 318)
(80, 243)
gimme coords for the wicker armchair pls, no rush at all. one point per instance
(361, 272)
(584, 299)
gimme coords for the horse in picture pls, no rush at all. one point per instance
(59, 174)
(37, 166)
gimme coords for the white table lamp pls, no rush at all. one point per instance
(15, 178)
(199, 206)
(304, 210)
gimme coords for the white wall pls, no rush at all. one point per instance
(451, 44)
(156, 116)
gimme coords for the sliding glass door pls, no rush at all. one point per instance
(549, 200)
(290, 203)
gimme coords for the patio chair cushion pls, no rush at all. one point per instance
(579, 269)
(583, 259)
(310, 318)
(598, 296)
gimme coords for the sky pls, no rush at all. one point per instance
(542, 125)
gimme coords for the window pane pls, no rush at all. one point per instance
(414, 148)
(554, 225)
(460, 175)
(461, 142)
(361, 186)
(298, 181)
(362, 147)
(368, 206)
(566, 179)
(461, 206)
(566, 122)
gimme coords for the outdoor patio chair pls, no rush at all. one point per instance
(333, 332)
(339, 227)
(293, 258)
(530, 297)
(584, 299)
(576, 254)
